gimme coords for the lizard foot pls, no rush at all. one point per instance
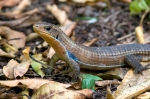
(47, 70)
(141, 68)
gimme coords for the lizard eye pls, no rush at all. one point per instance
(47, 28)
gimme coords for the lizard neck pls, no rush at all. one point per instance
(69, 44)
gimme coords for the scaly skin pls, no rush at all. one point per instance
(95, 58)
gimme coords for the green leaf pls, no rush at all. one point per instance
(89, 76)
(147, 2)
(134, 8)
(88, 84)
(142, 4)
(37, 66)
(88, 81)
(137, 6)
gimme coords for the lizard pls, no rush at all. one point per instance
(95, 58)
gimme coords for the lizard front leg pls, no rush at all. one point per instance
(54, 59)
(72, 63)
(75, 69)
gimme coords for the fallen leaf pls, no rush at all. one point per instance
(107, 82)
(133, 85)
(26, 52)
(37, 66)
(21, 69)
(61, 15)
(116, 73)
(10, 49)
(8, 3)
(25, 92)
(22, 22)
(109, 93)
(31, 37)
(55, 91)
(12, 34)
(30, 83)
(20, 15)
(145, 95)
(13, 23)
(34, 18)
(87, 92)
(8, 70)
(21, 6)
(4, 54)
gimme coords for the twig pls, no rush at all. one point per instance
(126, 36)
(143, 16)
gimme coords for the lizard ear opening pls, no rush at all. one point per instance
(47, 28)
(56, 36)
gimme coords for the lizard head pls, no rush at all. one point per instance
(46, 30)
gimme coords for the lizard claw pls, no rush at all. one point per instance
(147, 66)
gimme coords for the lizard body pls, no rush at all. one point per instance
(96, 58)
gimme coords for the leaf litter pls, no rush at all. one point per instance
(105, 31)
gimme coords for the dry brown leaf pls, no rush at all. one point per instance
(31, 37)
(21, 6)
(145, 95)
(140, 34)
(116, 73)
(26, 52)
(34, 18)
(133, 85)
(13, 23)
(12, 34)
(107, 82)
(22, 22)
(21, 69)
(21, 15)
(4, 54)
(61, 15)
(8, 70)
(109, 93)
(55, 91)
(8, 3)
(30, 83)
(87, 92)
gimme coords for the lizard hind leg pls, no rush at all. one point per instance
(134, 62)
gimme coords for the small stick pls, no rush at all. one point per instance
(126, 36)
